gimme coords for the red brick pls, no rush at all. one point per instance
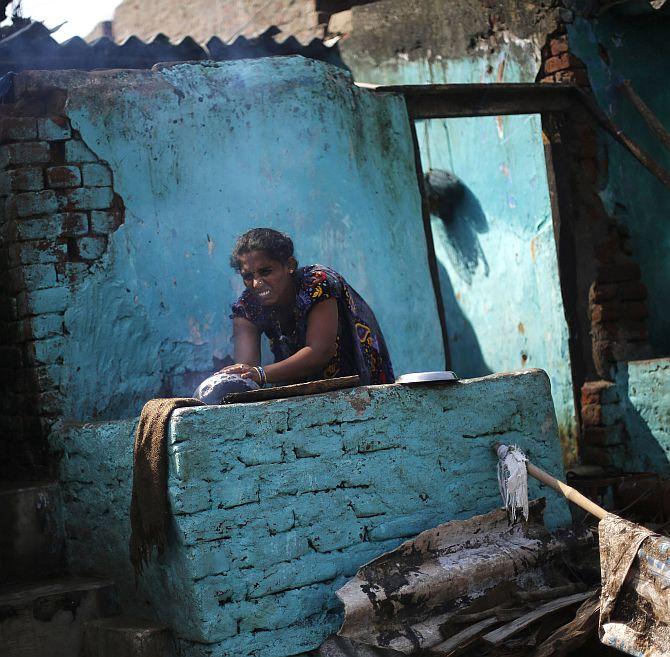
(592, 415)
(63, 177)
(558, 63)
(558, 45)
(27, 179)
(592, 391)
(74, 224)
(602, 292)
(603, 313)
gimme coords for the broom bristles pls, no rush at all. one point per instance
(513, 480)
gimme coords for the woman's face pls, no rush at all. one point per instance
(269, 280)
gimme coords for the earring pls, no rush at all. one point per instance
(290, 271)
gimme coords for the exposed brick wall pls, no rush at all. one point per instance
(611, 296)
(604, 435)
(58, 207)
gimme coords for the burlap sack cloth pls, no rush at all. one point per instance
(149, 509)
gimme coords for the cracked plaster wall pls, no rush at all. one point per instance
(200, 153)
(615, 48)
(496, 251)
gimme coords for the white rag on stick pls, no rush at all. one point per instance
(513, 479)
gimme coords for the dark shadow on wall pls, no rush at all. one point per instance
(467, 359)
(458, 218)
(462, 219)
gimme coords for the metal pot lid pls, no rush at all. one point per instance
(427, 377)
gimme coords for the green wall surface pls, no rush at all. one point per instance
(276, 504)
(643, 389)
(617, 48)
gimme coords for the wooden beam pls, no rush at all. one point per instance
(430, 246)
(649, 117)
(445, 101)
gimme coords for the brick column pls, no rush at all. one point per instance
(611, 298)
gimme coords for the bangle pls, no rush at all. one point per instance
(262, 377)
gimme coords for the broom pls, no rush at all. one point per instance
(634, 562)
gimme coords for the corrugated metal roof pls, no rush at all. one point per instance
(33, 48)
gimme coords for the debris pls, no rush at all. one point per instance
(497, 636)
(445, 589)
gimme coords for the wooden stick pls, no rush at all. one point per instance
(649, 117)
(294, 390)
(568, 492)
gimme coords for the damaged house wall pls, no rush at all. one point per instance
(495, 246)
(276, 504)
(122, 277)
(617, 48)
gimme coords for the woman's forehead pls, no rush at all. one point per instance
(254, 260)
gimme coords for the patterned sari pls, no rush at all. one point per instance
(360, 347)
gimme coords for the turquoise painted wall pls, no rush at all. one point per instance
(497, 255)
(202, 152)
(615, 48)
(277, 504)
(643, 389)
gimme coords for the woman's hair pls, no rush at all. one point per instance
(278, 246)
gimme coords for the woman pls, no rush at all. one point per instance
(318, 326)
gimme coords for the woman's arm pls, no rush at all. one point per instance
(320, 344)
(247, 341)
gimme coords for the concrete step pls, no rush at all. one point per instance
(46, 618)
(32, 543)
(121, 636)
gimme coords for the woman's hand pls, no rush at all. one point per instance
(243, 370)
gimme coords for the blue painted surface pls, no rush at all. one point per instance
(643, 389)
(276, 504)
(636, 50)
(496, 254)
(200, 153)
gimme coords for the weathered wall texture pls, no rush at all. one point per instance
(627, 421)
(59, 209)
(496, 252)
(124, 307)
(276, 504)
(634, 48)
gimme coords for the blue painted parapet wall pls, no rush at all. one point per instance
(160, 171)
(276, 504)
